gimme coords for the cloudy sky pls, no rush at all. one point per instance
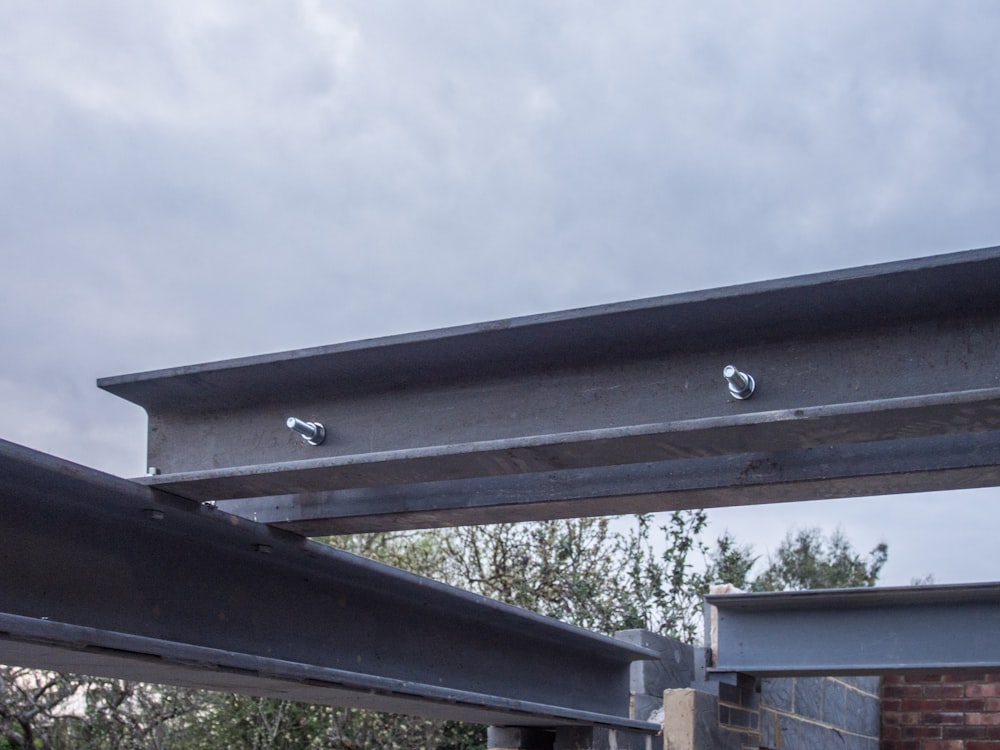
(192, 180)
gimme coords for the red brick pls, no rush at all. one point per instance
(983, 718)
(944, 691)
(944, 745)
(921, 733)
(891, 732)
(965, 704)
(966, 677)
(983, 745)
(903, 691)
(954, 717)
(990, 690)
(967, 733)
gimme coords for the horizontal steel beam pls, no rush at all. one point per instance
(105, 576)
(856, 631)
(866, 356)
(947, 414)
(850, 470)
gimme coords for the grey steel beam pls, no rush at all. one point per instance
(105, 576)
(856, 631)
(850, 470)
(866, 357)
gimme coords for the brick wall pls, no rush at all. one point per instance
(941, 712)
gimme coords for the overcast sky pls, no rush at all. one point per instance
(193, 180)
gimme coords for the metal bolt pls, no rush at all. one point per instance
(741, 385)
(152, 471)
(312, 432)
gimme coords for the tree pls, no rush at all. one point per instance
(34, 706)
(806, 559)
(121, 715)
(662, 590)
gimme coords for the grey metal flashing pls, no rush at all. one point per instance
(856, 631)
(870, 357)
(111, 577)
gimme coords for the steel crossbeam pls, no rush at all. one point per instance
(856, 631)
(105, 576)
(605, 410)
(851, 470)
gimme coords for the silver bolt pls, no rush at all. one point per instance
(312, 432)
(152, 471)
(741, 385)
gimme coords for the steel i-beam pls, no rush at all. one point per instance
(101, 575)
(828, 385)
(856, 631)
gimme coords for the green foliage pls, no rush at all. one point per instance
(120, 715)
(34, 707)
(661, 588)
(808, 560)
(268, 724)
(559, 568)
(731, 562)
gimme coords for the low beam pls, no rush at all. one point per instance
(856, 631)
(108, 577)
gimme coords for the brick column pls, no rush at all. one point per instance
(941, 712)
